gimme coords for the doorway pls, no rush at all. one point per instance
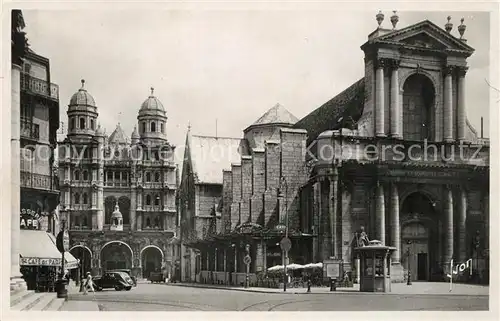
(422, 266)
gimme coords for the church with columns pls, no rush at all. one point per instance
(393, 155)
(118, 195)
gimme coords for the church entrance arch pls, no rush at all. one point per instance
(116, 255)
(152, 258)
(84, 255)
(418, 107)
(419, 240)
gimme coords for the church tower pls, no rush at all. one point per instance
(152, 121)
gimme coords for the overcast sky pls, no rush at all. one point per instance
(226, 65)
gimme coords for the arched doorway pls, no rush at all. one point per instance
(418, 104)
(419, 240)
(116, 255)
(84, 254)
(152, 258)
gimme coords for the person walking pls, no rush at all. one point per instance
(89, 284)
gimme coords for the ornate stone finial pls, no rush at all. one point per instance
(448, 26)
(117, 208)
(152, 91)
(461, 28)
(379, 18)
(189, 126)
(83, 83)
(394, 20)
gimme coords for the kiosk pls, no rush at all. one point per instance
(375, 269)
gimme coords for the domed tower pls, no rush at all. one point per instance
(116, 220)
(152, 121)
(82, 113)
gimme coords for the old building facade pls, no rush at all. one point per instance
(393, 154)
(118, 196)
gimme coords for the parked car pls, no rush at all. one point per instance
(117, 280)
(128, 272)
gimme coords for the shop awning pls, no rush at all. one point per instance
(38, 248)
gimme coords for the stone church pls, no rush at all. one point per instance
(394, 155)
(118, 196)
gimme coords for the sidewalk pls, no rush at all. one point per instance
(77, 305)
(417, 288)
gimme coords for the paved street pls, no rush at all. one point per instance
(161, 297)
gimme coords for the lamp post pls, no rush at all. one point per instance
(285, 242)
(408, 282)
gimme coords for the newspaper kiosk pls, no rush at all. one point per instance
(375, 270)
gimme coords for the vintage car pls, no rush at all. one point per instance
(116, 279)
(128, 272)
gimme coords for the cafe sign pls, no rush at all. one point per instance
(39, 261)
(30, 219)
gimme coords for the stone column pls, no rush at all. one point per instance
(332, 204)
(395, 228)
(379, 99)
(395, 105)
(448, 105)
(380, 213)
(462, 231)
(448, 230)
(16, 279)
(461, 112)
(215, 259)
(133, 207)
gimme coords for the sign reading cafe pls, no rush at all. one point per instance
(30, 219)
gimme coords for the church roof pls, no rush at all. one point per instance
(118, 136)
(276, 115)
(343, 110)
(82, 97)
(211, 155)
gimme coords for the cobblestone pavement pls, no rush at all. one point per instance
(161, 297)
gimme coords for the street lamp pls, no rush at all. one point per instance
(408, 282)
(283, 183)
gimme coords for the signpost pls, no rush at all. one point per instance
(285, 245)
(62, 243)
(247, 260)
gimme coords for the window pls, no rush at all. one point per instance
(117, 176)
(84, 223)
(157, 221)
(85, 153)
(77, 221)
(148, 177)
(148, 222)
(77, 198)
(85, 176)
(82, 123)
(85, 198)
(157, 200)
(157, 177)
(161, 127)
(148, 199)
(110, 176)
(77, 175)
(153, 127)
(72, 124)
(143, 127)
(92, 126)
(125, 177)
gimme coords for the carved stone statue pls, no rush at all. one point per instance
(362, 237)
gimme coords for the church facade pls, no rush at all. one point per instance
(118, 196)
(393, 155)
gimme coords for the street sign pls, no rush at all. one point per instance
(285, 244)
(62, 241)
(247, 260)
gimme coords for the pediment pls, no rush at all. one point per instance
(425, 35)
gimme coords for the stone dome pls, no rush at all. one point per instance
(82, 97)
(135, 134)
(116, 213)
(99, 132)
(152, 104)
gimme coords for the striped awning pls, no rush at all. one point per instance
(38, 248)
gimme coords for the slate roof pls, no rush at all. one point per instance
(211, 155)
(118, 136)
(276, 115)
(348, 104)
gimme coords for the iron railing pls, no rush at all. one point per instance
(30, 130)
(39, 181)
(39, 86)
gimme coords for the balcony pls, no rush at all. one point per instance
(40, 87)
(30, 131)
(39, 181)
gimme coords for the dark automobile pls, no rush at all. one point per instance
(117, 280)
(128, 272)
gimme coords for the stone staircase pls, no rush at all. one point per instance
(28, 300)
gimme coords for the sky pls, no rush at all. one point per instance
(219, 71)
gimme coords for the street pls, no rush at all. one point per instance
(161, 297)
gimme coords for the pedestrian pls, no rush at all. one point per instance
(89, 284)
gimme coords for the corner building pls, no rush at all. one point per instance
(393, 154)
(118, 195)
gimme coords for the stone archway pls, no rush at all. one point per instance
(419, 99)
(152, 258)
(419, 237)
(84, 255)
(116, 255)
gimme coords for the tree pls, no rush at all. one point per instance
(19, 41)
